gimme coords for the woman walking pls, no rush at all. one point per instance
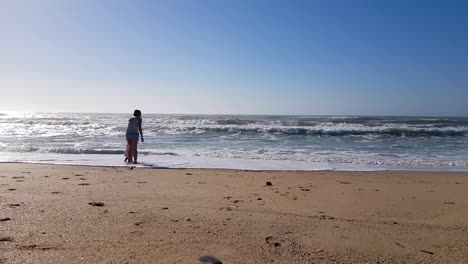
(134, 131)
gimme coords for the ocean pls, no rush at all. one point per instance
(266, 142)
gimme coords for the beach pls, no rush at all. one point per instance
(85, 214)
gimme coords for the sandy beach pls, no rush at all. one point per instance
(78, 214)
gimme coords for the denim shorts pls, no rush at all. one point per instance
(133, 136)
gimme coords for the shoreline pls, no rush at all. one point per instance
(140, 166)
(54, 215)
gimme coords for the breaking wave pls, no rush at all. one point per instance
(83, 151)
(315, 131)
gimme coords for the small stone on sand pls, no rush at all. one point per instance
(210, 259)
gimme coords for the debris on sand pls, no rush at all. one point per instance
(428, 252)
(400, 245)
(98, 204)
(268, 183)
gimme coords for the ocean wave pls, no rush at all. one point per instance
(81, 151)
(230, 121)
(315, 131)
(88, 151)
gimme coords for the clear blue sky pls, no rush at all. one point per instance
(370, 57)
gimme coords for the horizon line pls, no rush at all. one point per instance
(232, 114)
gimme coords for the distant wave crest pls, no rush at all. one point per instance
(315, 131)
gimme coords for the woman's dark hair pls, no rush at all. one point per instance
(137, 113)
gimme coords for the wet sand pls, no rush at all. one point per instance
(74, 214)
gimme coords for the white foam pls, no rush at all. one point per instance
(168, 161)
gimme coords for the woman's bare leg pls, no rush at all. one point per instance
(130, 152)
(135, 151)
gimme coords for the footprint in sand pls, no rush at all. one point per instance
(142, 182)
(6, 239)
(270, 241)
(12, 189)
(65, 178)
(13, 205)
(56, 192)
(34, 247)
(5, 219)
(326, 217)
(138, 233)
(83, 179)
(83, 184)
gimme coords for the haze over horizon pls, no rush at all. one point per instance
(403, 58)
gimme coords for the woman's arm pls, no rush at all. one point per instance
(141, 130)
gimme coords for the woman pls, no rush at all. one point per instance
(134, 131)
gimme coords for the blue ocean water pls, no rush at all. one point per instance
(240, 141)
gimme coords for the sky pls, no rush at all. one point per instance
(348, 57)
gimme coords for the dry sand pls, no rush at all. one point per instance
(53, 214)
